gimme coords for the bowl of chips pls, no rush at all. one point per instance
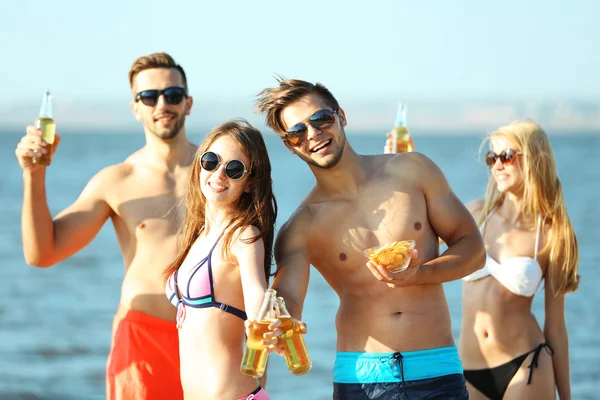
(394, 256)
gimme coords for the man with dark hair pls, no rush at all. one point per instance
(394, 338)
(143, 197)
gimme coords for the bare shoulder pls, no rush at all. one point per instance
(411, 162)
(245, 237)
(413, 167)
(116, 175)
(475, 207)
(300, 221)
(294, 231)
(109, 177)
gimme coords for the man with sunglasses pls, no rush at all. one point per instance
(143, 198)
(394, 337)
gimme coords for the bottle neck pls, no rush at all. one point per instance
(401, 116)
(46, 108)
(267, 308)
(282, 309)
(400, 122)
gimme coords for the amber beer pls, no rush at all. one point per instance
(296, 355)
(45, 123)
(254, 361)
(255, 357)
(400, 134)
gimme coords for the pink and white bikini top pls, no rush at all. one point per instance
(521, 275)
(197, 289)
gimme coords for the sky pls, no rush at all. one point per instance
(378, 51)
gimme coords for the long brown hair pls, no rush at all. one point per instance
(543, 196)
(257, 208)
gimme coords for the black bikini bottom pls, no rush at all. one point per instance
(493, 382)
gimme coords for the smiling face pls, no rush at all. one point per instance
(509, 177)
(322, 148)
(217, 187)
(163, 120)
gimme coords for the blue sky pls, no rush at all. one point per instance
(370, 50)
(426, 49)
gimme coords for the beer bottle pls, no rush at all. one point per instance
(254, 361)
(296, 355)
(45, 123)
(400, 135)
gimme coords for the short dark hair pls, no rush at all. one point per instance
(155, 60)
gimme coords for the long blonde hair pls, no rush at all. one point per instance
(257, 208)
(542, 195)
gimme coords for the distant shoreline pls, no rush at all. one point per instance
(461, 117)
(193, 132)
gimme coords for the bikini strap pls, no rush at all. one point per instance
(222, 306)
(231, 310)
(537, 236)
(536, 355)
(483, 225)
(214, 245)
(207, 258)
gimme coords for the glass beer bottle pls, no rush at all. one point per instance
(400, 135)
(45, 123)
(254, 361)
(296, 355)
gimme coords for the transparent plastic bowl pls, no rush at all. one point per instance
(394, 257)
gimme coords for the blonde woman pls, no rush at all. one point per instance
(528, 239)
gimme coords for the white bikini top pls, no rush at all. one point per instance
(521, 275)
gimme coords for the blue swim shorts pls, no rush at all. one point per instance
(423, 374)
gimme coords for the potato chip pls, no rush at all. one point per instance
(394, 256)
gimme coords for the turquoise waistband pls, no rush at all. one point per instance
(354, 367)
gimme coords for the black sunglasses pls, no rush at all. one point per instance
(234, 169)
(173, 96)
(507, 157)
(322, 119)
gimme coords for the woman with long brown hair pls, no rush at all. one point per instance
(224, 263)
(528, 239)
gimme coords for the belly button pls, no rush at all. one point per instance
(141, 225)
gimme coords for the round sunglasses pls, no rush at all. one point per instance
(507, 157)
(173, 96)
(322, 119)
(234, 169)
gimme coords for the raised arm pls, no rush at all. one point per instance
(293, 267)
(454, 224)
(47, 241)
(555, 332)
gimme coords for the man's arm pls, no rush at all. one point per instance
(454, 224)
(293, 268)
(47, 241)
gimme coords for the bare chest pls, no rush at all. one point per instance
(150, 208)
(341, 231)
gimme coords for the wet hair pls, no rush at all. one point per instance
(153, 61)
(272, 101)
(542, 195)
(257, 208)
